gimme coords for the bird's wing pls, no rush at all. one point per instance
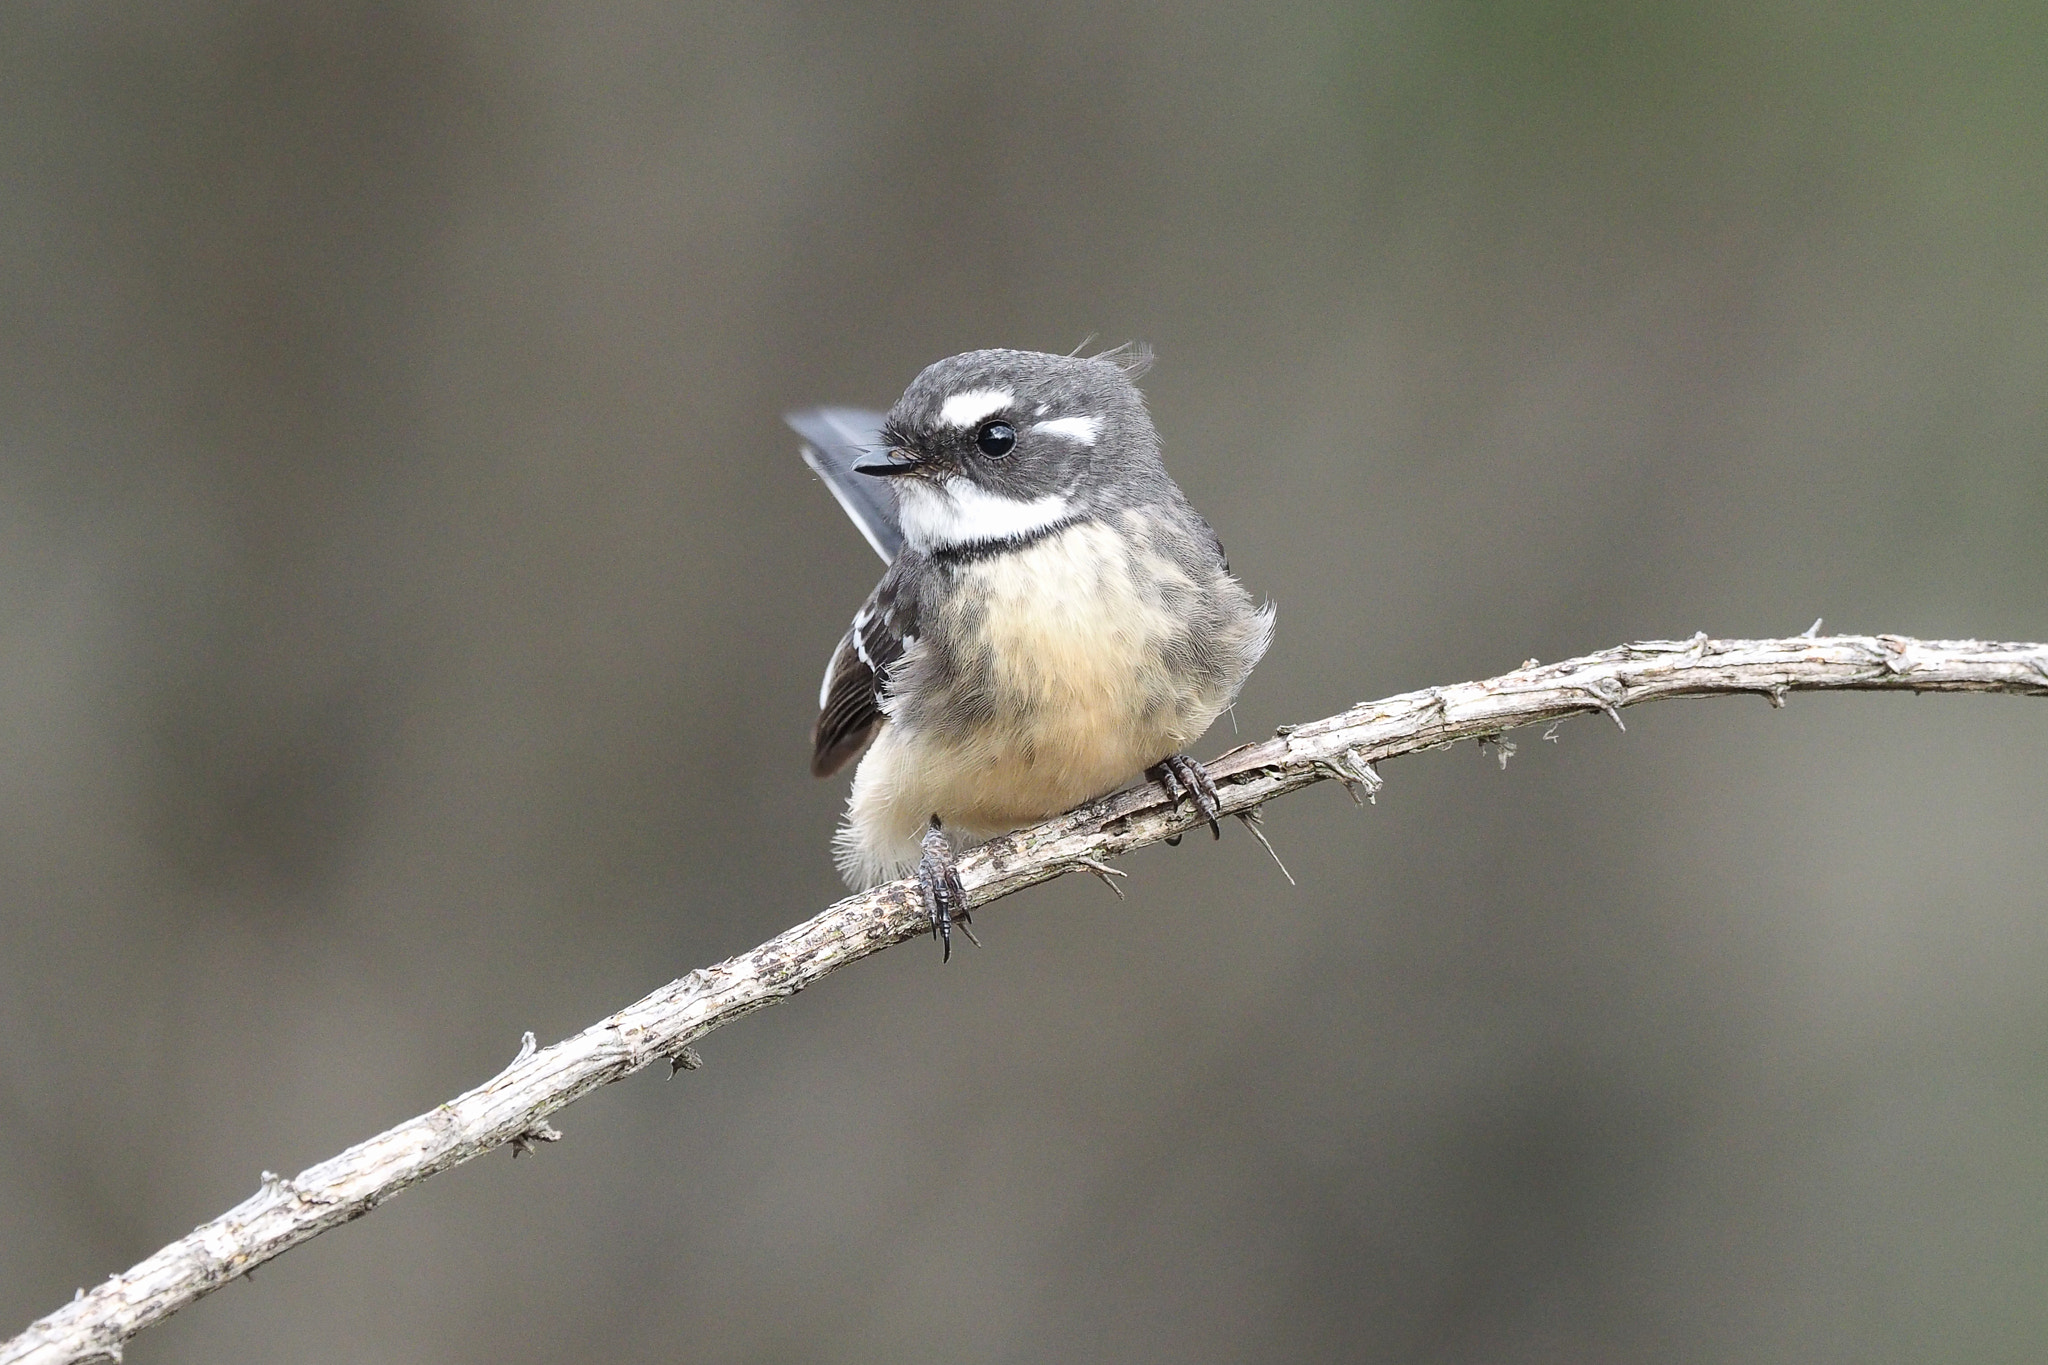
(850, 702)
(834, 438)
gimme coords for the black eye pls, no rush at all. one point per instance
(996, 439)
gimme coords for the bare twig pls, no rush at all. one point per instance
(513, 1106)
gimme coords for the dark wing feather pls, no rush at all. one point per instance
(834, 439)
(850, 705)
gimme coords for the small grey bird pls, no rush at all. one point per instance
(1055, 618)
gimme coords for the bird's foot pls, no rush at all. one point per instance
(945, 899)
(1185, 779)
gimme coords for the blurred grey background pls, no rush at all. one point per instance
(411, 611)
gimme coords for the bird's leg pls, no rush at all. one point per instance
(1186, 779)
(945, 900)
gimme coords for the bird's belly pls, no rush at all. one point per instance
(1073, 674)
(1021, 772)
(1044, 767)
(1051, 676)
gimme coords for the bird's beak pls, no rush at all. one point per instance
(882, 466)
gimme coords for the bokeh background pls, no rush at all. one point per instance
(411, 610)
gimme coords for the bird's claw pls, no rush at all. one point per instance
(1186, 779)
(945, 899)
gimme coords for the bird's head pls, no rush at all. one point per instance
(993, 446)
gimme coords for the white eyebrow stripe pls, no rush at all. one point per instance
(967, 409)
(1082, 429)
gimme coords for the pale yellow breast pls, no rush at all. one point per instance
(1073, 691)
(1077, 678)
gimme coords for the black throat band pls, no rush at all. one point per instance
(970, 551)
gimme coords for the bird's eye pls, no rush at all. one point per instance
(996, 439)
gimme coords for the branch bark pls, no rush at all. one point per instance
(513, 1106)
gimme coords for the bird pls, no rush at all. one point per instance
(1055, 621)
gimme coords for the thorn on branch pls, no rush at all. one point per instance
(1103, 873)
(527, 1047)
(686, 1060)
(1812, 632)
(1355, 771)
(530, 1140)
(1600, 691)
(1344, 779)
(1252, 821)
(1368, 774)
(1776, 696)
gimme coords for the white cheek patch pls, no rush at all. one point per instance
(1079, 429)
(968, 409)
(961, 513)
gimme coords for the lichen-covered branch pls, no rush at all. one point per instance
(513, 1106)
